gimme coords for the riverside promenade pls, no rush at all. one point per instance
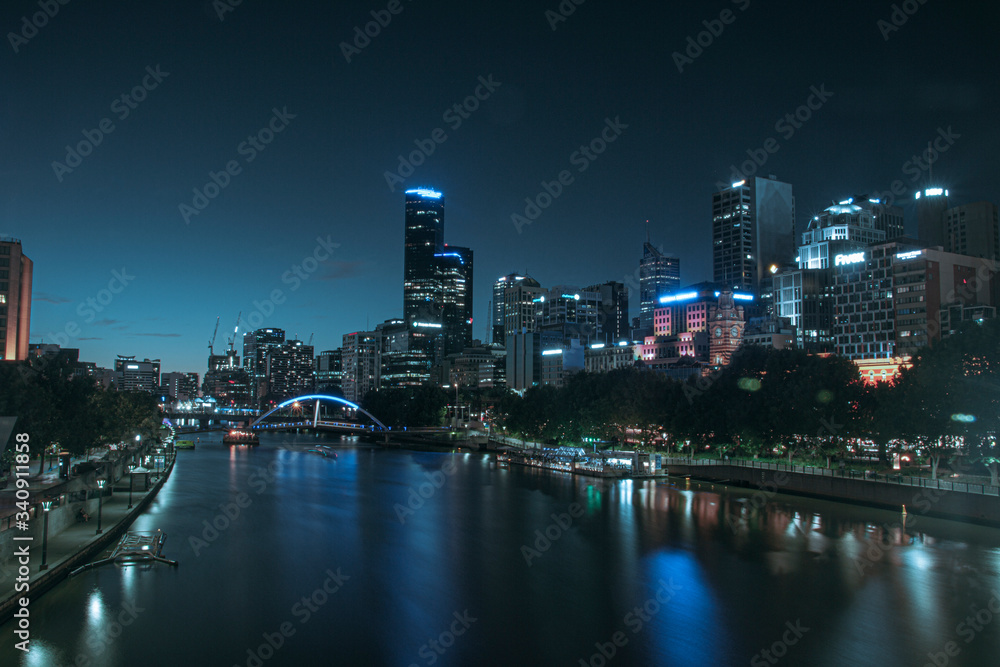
(78, 542)
(979, 503)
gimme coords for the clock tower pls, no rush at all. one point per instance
(725, 329)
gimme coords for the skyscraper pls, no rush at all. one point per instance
(752, 230)
(658, 275)
(613, 320)
(291, 370)
(255, 348)
(973, 229)
(931, 205)
(15, 300)
(454, 270)
(360, 354)
(500, 288)
(423, 239)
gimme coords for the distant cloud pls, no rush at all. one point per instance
(91, 338)
(158, 335)
(123, 327)
(105, 323)
(49, 298)
(341, 269)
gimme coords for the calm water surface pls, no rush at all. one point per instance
(406, 558)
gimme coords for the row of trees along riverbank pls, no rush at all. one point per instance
(787, 403)
(56, 404)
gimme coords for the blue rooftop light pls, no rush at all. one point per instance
(425, 192)
(684, 296)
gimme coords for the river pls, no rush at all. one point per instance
(395, 557)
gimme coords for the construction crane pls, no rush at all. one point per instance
(211, 343)
(310, 339)
(233, 339)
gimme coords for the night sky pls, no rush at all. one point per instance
(323, 175)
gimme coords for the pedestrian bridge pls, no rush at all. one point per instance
(291, 414)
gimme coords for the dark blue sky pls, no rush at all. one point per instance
(323, 176)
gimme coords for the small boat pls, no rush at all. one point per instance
(184, 444)
(241, 438)
(324, 451)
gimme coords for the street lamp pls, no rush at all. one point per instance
(100, 504)
(46, 505)
(130, 469)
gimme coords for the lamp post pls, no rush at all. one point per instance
(46, 505)
(100, 504)
(130, 469)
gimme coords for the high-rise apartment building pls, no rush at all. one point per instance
(256, 345)
(179, 386)
(520, 303)
(15, 300)
(752, 231)
(659, 274)
(290, 370)
(360, 354)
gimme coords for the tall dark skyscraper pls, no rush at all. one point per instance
(424, 239)
(256, 345)
(659, 274)
(455, 275)
(931, 205)
(752, 230)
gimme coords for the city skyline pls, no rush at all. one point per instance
(298, 144)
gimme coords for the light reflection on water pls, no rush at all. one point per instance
(872, 586)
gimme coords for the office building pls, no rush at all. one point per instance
(179, 386)
(256, 345)
(972, 229)
(132, 375)
(659, 274)
(423, 241)
(570, 312)
(454, 267)
(15, 300)
(329, 370)
(521, 299)
(602, 358)
(613, 314)
(931, 205)
(407, 353)
(498, 308)
(752, 231)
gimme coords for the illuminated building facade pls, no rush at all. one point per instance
(360, 354)
(520, 305)
(499, 318)
(931, 205)
(423, 240)
(15, 300)
(571, 312)
(329, 370)
(291, 370)
(132, 375)
(454, 267)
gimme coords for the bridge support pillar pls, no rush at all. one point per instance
(316, 414)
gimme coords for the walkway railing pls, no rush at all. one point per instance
(902, 480)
